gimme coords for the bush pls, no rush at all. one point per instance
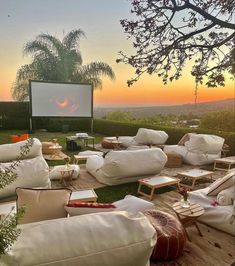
(111, 128)
(222, 120)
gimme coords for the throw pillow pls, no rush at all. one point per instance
(42, 204)
(133, 204)
(79, 208)
(221, 184)
(226, 196)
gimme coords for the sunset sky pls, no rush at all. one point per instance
(21, 21)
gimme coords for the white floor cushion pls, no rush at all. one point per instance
(55, 173)
(133, 204)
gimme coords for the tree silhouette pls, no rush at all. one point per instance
(168, 33)
(55, 60)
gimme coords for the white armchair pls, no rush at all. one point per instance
(199, 149)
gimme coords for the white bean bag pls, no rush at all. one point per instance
(201, 149)
(9, 152)
(126, 166)
(226, 196)
(100, 239)
(127, 141)
(150, 136)
(215, 215)
(55, 173)
(90, 153)
(30, 173)
(205, 144)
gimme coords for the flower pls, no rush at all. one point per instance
(184, 192)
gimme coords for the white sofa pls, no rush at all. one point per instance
(99, 239)
(32, 170)
(126, 166)
(200, 149)
(215, 215)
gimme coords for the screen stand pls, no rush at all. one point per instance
(30, 125)
(92, 124)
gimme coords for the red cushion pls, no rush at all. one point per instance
(171, 237)
(79, 204)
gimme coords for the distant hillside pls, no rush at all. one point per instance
(198, 109)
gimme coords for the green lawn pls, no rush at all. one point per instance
(106, 194)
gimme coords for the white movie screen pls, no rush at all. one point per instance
(61, 99)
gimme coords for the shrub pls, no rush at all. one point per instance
(222, 120)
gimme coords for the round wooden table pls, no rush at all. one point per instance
(188, 216)
(67, 174)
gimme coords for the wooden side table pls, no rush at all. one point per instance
(226, 161)
(188, 216)
(67, 175)
(87, 195)
(116, 144)
(154, 183)
(194, 175)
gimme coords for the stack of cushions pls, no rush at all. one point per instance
(81, 135)
(198, 149)
(32, 171)
(126, 166)
(217, 200)
(42, 204)
(55, 173)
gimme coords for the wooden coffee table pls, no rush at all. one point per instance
(116, 144)
(188, 216)
(193, 175)
(87, 195)
(226, 161)
(154, 183)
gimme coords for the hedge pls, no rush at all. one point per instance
(111, 128)
(15, 115)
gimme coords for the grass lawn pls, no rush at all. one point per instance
(106, 194)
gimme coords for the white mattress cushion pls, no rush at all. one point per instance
(30, 173)
(150, 136)
(203, 143)
(133, 163)
(226, 196)
(55, 172)
(193, 158)
(101, 239)
(9, 152)
(133, 204)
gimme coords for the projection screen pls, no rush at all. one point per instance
(54, 99)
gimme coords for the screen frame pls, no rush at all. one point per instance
(60, 82)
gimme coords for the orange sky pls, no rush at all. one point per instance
(105, 38)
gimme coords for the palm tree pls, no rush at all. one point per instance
(55, 60)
